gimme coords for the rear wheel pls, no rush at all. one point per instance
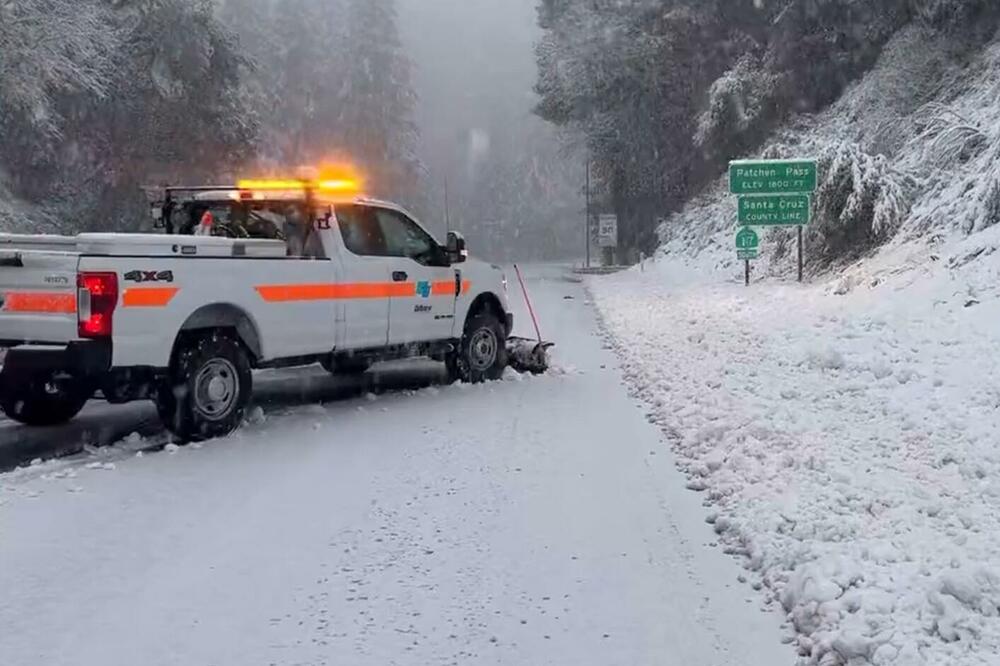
(482, 352)
(42, 399)
(208, 390)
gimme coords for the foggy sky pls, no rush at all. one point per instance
(474, 68)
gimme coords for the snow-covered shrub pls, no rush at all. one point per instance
(860, 203)
(740, 103)
(946, 137)
(991, 205)
(880, 108)
(983, 189)
(965, 200)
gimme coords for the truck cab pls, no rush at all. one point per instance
(264, 274)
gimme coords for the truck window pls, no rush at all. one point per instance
(361, 231)
(300, 237)
(404, 238)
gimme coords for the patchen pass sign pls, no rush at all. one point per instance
(772, 177)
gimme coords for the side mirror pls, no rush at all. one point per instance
(156, 211)
(457, 253)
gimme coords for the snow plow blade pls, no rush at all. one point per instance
(528, 356)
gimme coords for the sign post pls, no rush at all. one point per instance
(607, 235)
(747, 248)
(772, 193)
(587, 226)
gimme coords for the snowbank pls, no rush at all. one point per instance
(846, 435)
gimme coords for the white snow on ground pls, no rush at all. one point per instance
(848, 444)
(536, 520)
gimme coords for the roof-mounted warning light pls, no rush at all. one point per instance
(330, 181)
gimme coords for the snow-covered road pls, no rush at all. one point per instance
(530, 521)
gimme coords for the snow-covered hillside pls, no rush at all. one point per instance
(909, 154)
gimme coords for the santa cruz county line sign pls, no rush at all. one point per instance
(775, 210)
(772, 177)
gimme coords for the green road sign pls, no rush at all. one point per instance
(747, 239)
(772, 177)
(775, 210)
(746, 255)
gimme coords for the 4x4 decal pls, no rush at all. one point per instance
(149, 276)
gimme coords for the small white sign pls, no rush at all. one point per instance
(607, 231)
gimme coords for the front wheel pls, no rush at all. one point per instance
(208, 390)
(42, 400)
(482, 352)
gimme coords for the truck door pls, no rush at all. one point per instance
(365, 287)
(425, 310)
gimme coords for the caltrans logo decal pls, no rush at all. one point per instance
(424, 289)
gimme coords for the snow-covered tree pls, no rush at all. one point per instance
(331, 83)
(98, 97)
(50, 48)
(861, 202)
(377, 100)
(104, 97)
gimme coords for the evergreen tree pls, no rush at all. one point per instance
(143, 91)
(377, 100)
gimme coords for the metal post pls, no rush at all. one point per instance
(447, 211)
(586, 227)
(800, 253)
(748, 272)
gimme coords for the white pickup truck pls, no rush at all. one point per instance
(274, 276)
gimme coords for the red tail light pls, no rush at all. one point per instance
(98, 298)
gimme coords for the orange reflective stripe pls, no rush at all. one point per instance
(297, 292)
(367, 290)
(443, 288)
(293, 293)
(149, 297)
(40, 302)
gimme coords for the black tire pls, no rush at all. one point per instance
(482, 352)
(40, 400)
(208, 390)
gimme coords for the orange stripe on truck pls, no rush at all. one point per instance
(298, 293)
(443, 288)
(294, 293)
(40, 302)
(148, 297)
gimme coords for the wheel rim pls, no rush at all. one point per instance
(483, 350)
(216, 389)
